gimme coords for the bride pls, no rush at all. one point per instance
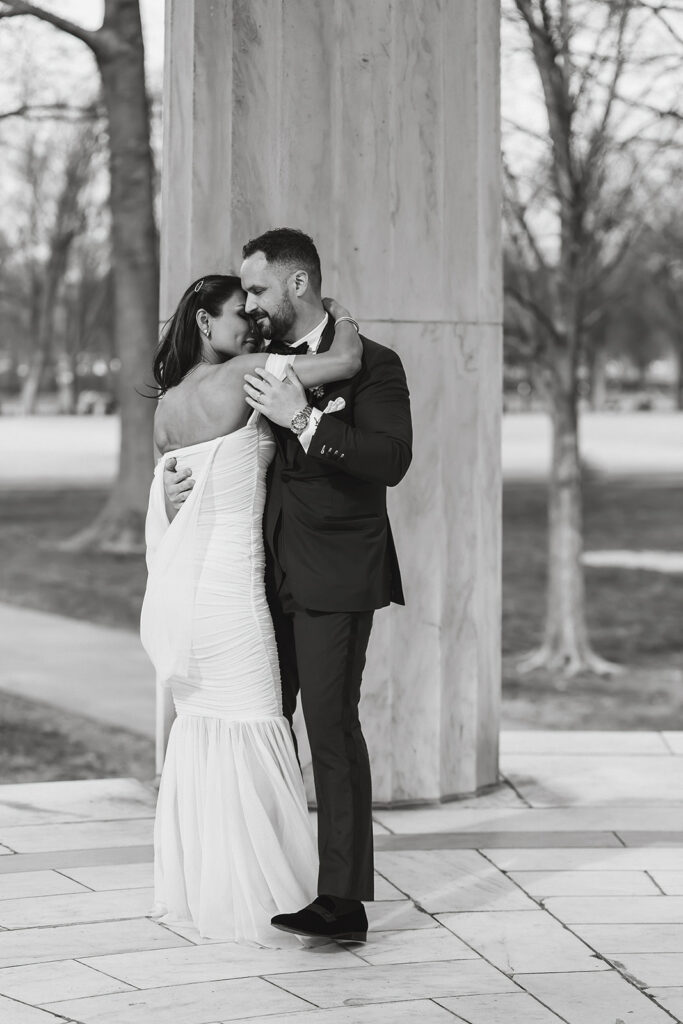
(233, 844)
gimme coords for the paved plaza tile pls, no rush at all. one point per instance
(60, 979)
(649, 970)
(412, 1011)
(487, 911)
(652, 837)
(80, 908)
(603, 998)
(219, 961)
(202, 1003)
(670, 882)
(605, 817)
(615, 939)
(586, 859)
(600, 743)
(565, 780)
(35, 803)
(542, 884)
(14, 1012)
(384, 890)
(443, 880)
(16, 885)
(102, 877)
(492, 838)
(613, 909)
(502, 1008)
(394, 982)
(406, 947)
(78, 836)
(69, 942)
(64, 860)
(671, 999)
(516, 941)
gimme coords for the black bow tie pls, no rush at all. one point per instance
(281, 348)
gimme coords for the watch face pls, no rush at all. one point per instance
(299, 421)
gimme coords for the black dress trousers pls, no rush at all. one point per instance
(322, 656)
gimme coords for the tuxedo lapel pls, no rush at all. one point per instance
(327, 337)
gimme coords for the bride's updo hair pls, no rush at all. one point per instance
(180, 346)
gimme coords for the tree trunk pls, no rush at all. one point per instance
(30, 387)
(120, 525)
(598, 382)
(678, 397)
(65, 379)
(566, 647)
(54, 275)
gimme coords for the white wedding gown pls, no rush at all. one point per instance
(233, 843)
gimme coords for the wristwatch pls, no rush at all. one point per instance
(300, 420)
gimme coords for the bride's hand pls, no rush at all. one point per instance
(334, 308)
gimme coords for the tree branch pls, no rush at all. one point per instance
(597, 143)
(519, 211)
(532, 307)
(19, 7)
(48, 110)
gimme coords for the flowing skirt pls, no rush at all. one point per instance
(233, 843)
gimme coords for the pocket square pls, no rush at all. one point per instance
(335, 405)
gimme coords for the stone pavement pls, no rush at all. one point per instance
(556, 898)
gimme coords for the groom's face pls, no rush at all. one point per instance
(268, 300)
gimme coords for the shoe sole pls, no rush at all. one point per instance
(343, 936)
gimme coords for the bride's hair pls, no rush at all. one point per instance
(180, 346)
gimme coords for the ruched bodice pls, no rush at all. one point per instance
(233, 843)
(206, 572)
(226, 663)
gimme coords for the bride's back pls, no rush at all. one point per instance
(208, 403)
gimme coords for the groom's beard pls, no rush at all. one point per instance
(277, 325)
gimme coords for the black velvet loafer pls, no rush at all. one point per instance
(321, 920)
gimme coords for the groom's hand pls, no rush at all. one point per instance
(277, 399)
(177, 483)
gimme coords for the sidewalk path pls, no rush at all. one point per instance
(92, 670)
(557, 899)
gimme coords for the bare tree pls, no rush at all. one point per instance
(571, 216)
(68, 222)
(665, 263)
(119, 52)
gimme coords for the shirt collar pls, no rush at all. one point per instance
(312, 339)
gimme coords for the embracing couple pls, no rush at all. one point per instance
(277, 432)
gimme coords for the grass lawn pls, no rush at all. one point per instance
(100, 588)
(41, 743)
(634, 616)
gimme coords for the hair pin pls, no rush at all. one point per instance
(200, 284)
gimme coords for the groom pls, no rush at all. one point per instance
(330, 554)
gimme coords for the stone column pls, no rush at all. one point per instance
(375, 128)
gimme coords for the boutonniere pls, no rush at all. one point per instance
(318, 391)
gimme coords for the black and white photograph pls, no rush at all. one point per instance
(341, 511)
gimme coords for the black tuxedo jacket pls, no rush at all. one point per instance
(325, 522)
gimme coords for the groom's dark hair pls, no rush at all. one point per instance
(290, 248)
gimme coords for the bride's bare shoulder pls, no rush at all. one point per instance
(221, 382)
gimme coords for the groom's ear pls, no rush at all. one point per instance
(300, 281)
